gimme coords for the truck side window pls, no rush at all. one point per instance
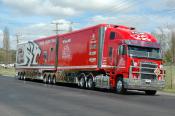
(110, 51)
(112, 35)
(122, 50)
(51, 49)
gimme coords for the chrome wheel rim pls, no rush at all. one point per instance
(54, 80)
(81, 82)
(119, 85)
(49, 80)
(90, 83)
(24, 77)
(45, 80)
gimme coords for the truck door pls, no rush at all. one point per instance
(112, 42)
(122, 55)
(112, 55)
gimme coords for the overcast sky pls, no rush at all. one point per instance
(32, 18)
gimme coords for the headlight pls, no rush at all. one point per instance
(135, 64)
(161, 66)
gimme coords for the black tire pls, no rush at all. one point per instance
(45, 79)
(22, 76)
(82, 82)
(150, 92)
(49, 80)
(90, 83)
(54, 80)
(19, 76)
(120, 86)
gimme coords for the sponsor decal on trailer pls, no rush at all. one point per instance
(28, 54)
(66, 53)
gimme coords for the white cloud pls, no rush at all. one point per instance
(169, 3)
(161, 5)
(39, 30)
(126, 20)
(39, 7)
(68, 7)
(142, 22)
(91, 5)
(1, 32)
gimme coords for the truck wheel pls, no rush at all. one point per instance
(90, 83)
(150, 92)
(45, 79)
(19, 76)
(24, 76)
(49, 80)
(120, 86)
(54, 80)
(82, 82)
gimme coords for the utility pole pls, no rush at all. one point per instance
(57, 40)
(17, 38)
(70, 26)
(57, 27)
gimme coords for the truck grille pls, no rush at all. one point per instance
(147, 70)
(147, 76)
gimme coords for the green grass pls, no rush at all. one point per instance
(7, 72)
(169, 90)
(170, 77)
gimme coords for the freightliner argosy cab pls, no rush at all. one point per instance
(137, 58)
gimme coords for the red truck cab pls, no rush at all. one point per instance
(136, 60)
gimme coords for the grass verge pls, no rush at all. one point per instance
(7, 72)
(169, 90)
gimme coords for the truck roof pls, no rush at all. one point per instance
(86, 28)
(127, 32)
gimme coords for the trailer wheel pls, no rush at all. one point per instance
(45, 79)
(49, 80)
(19, 76)
(82, 82)
(22, 75)
(54, 80)
(120, 86)
(90, 83)
(150, 92)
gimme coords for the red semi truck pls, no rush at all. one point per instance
(104, 56)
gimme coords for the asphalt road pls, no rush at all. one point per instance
(26, 98)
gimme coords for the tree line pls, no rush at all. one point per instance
(10, 58)
(166, 38)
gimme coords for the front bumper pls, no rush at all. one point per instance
(147, 83)
(144, 84)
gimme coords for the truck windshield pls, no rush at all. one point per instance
(144, 52)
